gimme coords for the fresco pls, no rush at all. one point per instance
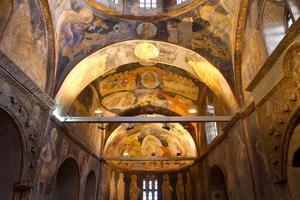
(141, 86)
(6, 9)
(254, 51)
(164, 185)
(24, 41)
(55, 150)
(110, 58)
(150, 140)
(85, 105)
(208, 29)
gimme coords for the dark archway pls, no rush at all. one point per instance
(67, 181)
(217, 184)
(293, 162)
(10, 155)
(90, 186)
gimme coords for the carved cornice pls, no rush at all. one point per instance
(18, 78)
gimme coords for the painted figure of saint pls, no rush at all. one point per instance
(166, 188)
(49, 159)
(179, 187)
(121, 187)
(112, 187)
(134, 190)
(296, 66)
(188, 187)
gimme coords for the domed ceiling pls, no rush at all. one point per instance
(139, 9)
(207, 28)
(150, 141)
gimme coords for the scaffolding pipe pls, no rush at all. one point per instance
(138, 119)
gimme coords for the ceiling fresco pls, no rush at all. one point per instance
(150, 140)
(138, 86)
(25, 39)
(111, 57)
(207, 29)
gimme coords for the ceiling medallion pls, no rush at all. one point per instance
(146, 30)
(146, 51)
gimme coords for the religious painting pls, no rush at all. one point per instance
(24, 41)
(150, 140)
(141, 86)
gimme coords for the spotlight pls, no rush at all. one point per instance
(192, 111)
(98, 111)
(166, 126)
(101, 127)
(125, 154)
(129, 127)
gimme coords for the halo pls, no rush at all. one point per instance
(205, 9)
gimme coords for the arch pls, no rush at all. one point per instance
(292, 161)
(296, 158)
(67, 181)
(90, 186)
(133, 51)
(135, 13)
(10, 155)
(217, 184)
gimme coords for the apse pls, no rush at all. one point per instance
(133, 148)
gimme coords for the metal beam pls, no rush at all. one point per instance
(139, 119)
(149, 158)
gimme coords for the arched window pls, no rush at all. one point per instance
(211, 127)
(277, 18)
(180, 1)
(148, 4)
(150, 189)
(289, 18)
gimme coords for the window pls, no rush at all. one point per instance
(148, 4)
(211, 127)
(289, 19)
(180, 1)
(115, 1)
(150, 189)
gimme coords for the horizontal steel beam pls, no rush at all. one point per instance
(139, 119)
(124, 158)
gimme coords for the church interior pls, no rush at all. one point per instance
(149, 99)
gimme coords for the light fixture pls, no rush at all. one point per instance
(130, 126)
(166, 126)
(193, 111)
(125, 154)
(56, 113)
(98, 111)
(101, 127)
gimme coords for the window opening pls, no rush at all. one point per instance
(148, 4)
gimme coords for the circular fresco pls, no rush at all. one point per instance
(150, 80)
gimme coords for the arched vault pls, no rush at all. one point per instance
(147, 53)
